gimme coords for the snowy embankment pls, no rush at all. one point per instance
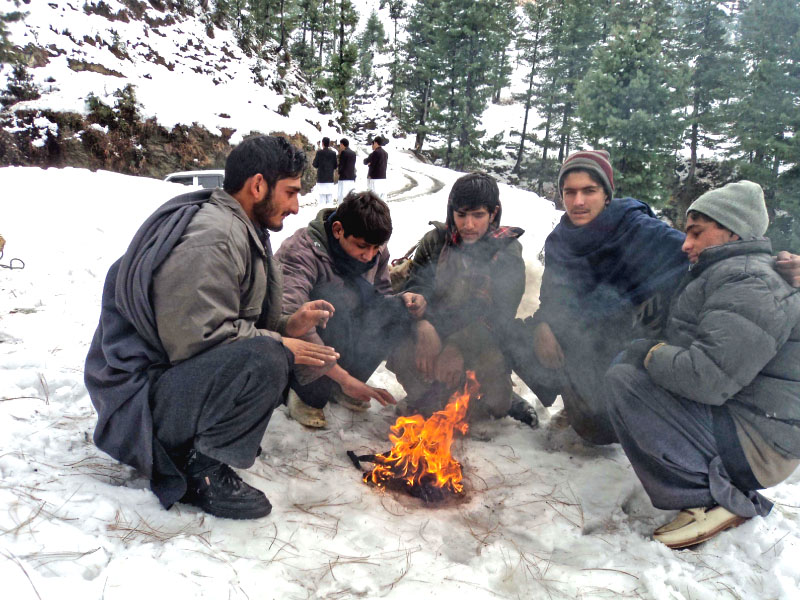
(546, 516)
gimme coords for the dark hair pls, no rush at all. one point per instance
(364, 215)
(345, 142)
(593, 175)
(474, 191)
(326, 141)
(273, 157)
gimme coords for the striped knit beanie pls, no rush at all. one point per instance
(596, 161)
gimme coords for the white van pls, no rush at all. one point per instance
(205, 179)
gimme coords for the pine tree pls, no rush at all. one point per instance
(6, 54)
(529, 44)
(397, 12)
(372, 40)
(629, 97)
(342, 63)
(765, 119)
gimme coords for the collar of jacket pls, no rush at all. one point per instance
(223, 198)
(316, 231)
(714, 254)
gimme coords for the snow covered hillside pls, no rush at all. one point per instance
(546, 516)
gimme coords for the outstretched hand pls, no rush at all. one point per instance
(365, 393)
(415, 304)
(788, 265)
(309, 315)
(308, 353)
(427, 349)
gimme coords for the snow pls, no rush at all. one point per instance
(545, 515)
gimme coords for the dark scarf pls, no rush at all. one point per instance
(348, 267)
(622, 258)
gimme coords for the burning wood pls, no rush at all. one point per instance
(420, 461)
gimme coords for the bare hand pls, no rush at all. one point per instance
(788, 265)
(547, 348)
(415, 304)
(365, 393)
(450, 366)
(427, 349)
(308, 353)
(309, 315)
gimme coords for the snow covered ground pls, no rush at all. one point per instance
(546, 516)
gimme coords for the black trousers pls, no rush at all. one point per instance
(218, 403)
(362, 331)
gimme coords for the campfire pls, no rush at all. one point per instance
(420, 461)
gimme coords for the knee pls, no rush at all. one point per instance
(263, 355)
(620, 380)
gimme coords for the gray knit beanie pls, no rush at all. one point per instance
(596, 161)
(738, 207)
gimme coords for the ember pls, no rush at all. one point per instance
(420, 461)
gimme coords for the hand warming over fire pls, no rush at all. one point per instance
(308, 353)
(415, 303)
(788, 265)
(427, 349)
(365, 393)
(450, 366)
(309, 315)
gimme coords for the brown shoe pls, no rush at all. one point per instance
(695, 525)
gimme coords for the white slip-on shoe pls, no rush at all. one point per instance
(305, 414)
(695, 525)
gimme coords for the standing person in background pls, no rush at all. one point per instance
(376, 162)
(347, 169)
(325, 163)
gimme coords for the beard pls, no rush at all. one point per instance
(262, 211)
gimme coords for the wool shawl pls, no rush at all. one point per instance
(126, 354)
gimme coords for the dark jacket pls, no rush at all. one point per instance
(472, 290)
(609, 276)
(733, 338)
(347, 165)
(377, 162)
(129, 349)
(306, 263)
(325, 163)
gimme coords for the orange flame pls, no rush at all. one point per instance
(421, 451)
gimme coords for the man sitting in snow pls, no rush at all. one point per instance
(712, 413)
(188, 361)
(471, 276)
(341, 257)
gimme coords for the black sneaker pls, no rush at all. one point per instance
(217, 489)
(523, 411)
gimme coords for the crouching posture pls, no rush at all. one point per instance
(341, 257)
(712, 413)
(471, 277)
(188, 361)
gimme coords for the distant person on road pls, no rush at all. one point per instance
(341, 257)
(325, 164)
(709, 412)
(377, 162)
(347, 169)
(192, 353)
